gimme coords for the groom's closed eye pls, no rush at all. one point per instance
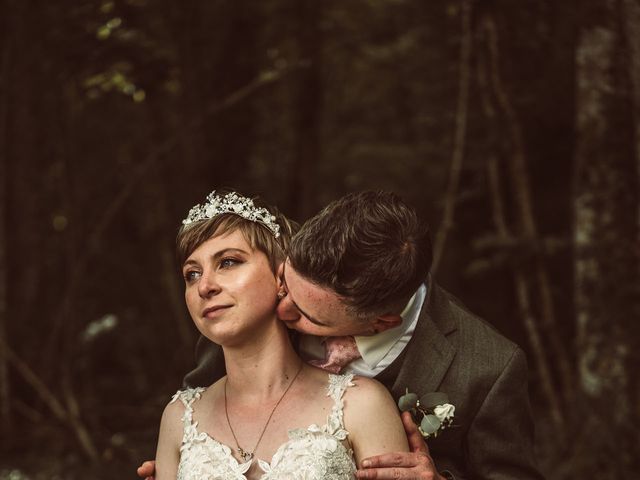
(306, 315)
(290, 299)
(297, 307)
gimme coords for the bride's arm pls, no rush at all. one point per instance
(372, 420)
(169, 440)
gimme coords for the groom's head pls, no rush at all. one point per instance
(353, 267)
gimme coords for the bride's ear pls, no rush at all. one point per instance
(280, 275)
(280, 271)
(280, 280)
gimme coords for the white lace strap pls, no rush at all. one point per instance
(336, 388)
(187, 397)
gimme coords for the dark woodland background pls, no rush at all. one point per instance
(512, 126)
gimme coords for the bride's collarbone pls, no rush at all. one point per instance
(249, 419)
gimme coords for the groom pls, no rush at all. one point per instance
(359, 271)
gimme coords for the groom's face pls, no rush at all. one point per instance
(317, 310)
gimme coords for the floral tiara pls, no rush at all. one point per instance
(232, 203)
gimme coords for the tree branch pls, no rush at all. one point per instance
(459, 137)
(69, 416)
(522, 192)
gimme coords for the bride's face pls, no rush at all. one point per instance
(230, 289)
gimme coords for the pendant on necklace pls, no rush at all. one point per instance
(246, 456)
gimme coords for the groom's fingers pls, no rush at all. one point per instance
(408, 466)
(398, 459)
(416, 442)
(386, 473)
(393, 466)
(147, 470)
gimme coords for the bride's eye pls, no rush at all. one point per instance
(229, 262)
(191, 275)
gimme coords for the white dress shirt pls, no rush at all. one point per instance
(378, 351)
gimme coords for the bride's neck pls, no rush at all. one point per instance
(262, 368)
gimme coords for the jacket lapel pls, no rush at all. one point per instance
(430, 352)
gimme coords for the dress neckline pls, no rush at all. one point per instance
(334, 426)
(228, 450)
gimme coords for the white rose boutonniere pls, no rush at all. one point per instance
(444, 412)
(432, 413)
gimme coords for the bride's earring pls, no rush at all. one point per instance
(281, 294)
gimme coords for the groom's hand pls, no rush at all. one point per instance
(417, 464)
(147, 470)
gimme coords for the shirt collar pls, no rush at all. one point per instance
(374, 348)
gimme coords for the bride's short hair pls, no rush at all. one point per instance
(257, 235)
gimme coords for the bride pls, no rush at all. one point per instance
(272, 416)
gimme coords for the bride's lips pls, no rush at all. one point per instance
(215, 311)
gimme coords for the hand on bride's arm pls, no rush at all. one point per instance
(416, 464)
(168, 452)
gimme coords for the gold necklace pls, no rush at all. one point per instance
(246, 456)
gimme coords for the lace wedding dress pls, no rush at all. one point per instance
(314, 453)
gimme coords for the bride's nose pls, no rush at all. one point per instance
(208, 285)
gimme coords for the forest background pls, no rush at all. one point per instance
(513, 127)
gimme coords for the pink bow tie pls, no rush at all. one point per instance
(339, 352)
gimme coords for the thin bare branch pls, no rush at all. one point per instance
(459, 136)
(68, 416)
(29, 376)
(73, 407)
(524, 299)
(522, 191)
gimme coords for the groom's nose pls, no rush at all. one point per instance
(287, 311)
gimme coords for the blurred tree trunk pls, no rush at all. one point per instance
(605, 205)
(304, 174)
(5, 391)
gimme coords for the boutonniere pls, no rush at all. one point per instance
(432, 413)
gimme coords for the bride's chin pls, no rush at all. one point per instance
(223, 336)
(240, 335)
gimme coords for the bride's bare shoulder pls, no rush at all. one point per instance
(369, 391)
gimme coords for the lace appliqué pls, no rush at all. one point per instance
(202, 457)
(314, 453)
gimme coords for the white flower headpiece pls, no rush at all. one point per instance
(232, 203)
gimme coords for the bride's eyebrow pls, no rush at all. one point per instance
(217, 255)
(226, 251)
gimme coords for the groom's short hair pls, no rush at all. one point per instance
(368, 247)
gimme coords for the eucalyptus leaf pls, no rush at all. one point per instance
(407, 402)
(430, 424)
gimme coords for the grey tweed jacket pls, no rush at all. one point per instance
(483, 374)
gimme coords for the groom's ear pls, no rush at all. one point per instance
(386, 321)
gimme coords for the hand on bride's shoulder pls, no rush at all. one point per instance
(373, 420)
